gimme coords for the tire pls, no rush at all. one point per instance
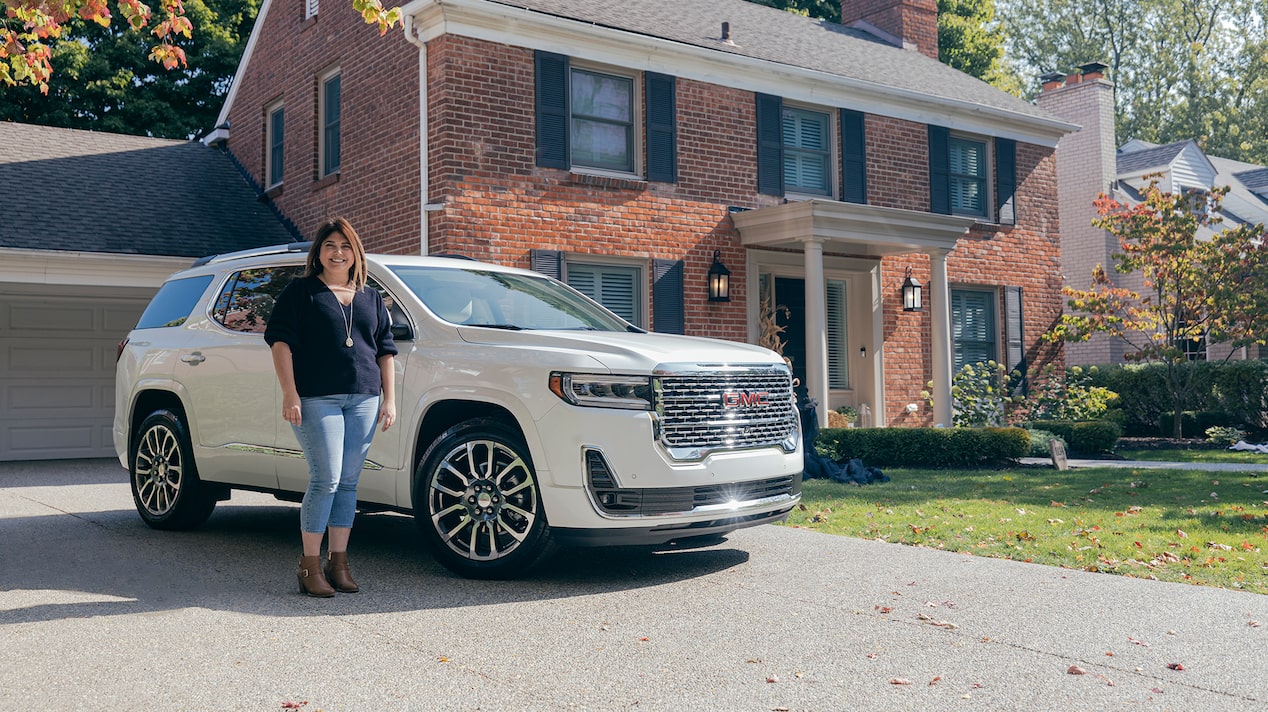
(477, 501)
(165, 486)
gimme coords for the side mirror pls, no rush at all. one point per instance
(402, 332)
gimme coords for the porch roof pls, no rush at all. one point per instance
(866, 230)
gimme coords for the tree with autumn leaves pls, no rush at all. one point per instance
(1199, 284)
(27, 26)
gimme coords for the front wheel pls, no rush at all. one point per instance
(478, 503)
(165, 484)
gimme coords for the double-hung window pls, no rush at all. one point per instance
(602, 120)
(328, 141)
(275, 141)
(974, 330)
(967, 163)
(807, 151)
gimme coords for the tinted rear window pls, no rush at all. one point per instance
(173, 303)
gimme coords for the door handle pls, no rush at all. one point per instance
(194, 359)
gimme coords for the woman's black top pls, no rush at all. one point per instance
(309, 318)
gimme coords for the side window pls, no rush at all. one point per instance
(173, 303)
(974, 333)
(275, 141)
(619, 288)
(246, 301)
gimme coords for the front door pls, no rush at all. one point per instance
(790, 313)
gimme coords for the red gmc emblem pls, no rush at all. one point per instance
(745, 399)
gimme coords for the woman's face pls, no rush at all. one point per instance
(336, 254)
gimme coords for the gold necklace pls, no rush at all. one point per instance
(347, 320)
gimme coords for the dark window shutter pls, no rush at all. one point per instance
(668, 315)
(548, 262)
(770, 145)
(853, 157)
(552, 110)
(662, 128)
(939, 170)
(1015, 353)
(1006, 181)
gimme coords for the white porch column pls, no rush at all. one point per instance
(939, 302)
(816, 328)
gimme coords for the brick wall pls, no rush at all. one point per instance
(377, 187)
(914, 21)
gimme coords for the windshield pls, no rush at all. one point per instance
(500, 300)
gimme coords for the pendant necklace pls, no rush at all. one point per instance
(347, 320)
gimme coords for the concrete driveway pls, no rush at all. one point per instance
(98, 612)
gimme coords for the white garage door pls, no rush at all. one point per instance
(57, 357)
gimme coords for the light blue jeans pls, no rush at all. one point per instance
(335, 435)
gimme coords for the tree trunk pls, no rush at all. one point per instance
(1177, 423)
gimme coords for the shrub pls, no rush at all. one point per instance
(1039, 442)
(980, 394)
(1238, 388)
(925, 447)
(1194, 423)
(1089, 438)
(1224, 435)
(1070, 398)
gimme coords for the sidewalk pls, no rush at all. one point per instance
(1154, 465)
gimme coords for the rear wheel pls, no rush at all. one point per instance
(478, 503)
(165, 484)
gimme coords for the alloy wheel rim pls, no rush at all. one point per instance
(159, 470)
(482, 500)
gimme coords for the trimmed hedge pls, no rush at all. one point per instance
(925, 447)
(1238, 388)
(1090, 437)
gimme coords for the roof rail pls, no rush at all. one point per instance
(254, 252)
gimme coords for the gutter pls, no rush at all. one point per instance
(413, 34)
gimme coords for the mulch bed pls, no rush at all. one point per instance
(1167, 444)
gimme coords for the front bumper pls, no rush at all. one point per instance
(668, 533)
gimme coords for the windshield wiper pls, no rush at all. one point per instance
(508, 327)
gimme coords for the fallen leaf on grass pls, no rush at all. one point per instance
(1175, 666)
(899, 681)
(1180, 533)
(1076, 670)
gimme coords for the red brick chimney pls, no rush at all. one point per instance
(913, 22)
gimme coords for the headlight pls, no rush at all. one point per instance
(588, 389)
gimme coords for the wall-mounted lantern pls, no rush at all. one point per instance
(719, 280)
(913, 299)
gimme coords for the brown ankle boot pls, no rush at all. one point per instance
(338, 574)
(311, 579)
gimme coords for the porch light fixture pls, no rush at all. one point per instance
(719, 280)
(912, 289)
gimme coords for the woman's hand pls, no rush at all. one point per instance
(291, 410)
(387, 414)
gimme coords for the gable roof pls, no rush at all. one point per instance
(88, 191)
(1255, 180)
(786, 38)
(1156, 157)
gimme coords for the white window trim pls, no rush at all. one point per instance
(269, 110)
(310, 8)
(322, 79)
(988, 214)
(834, 152)
(643, 297)
(636, 100)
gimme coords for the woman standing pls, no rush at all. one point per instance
(333, 353)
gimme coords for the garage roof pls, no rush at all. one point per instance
(88, 191)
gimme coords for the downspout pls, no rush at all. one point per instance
(412, 34)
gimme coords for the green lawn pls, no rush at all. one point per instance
(1193, 456)
(1171, 525)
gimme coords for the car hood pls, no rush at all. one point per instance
(630, 352)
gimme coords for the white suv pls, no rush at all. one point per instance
(527, 413)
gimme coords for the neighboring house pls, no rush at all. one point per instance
(1089, 165)
(629, 147)
(91, 225)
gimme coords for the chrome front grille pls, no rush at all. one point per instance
(725, 408)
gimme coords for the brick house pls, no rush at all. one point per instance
(1089, 164)
(628, 147)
